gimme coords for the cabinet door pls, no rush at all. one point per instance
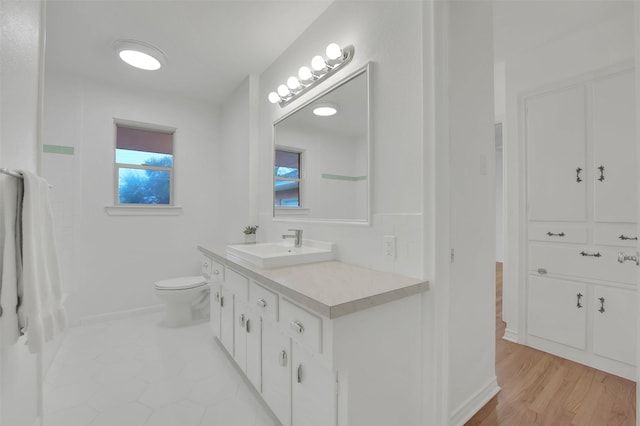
(314, 396)
(226, 319)
(614, 159)
(557, 311)
(614, 324)
(253, 328)
(556, 155)
(215, 308)
(276, 372)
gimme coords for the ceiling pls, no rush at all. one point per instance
(521, 25)
(211, 45)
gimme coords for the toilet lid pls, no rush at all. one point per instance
(182, 283)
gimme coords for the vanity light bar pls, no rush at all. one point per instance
(321, 68)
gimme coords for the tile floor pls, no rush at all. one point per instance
(133, 373)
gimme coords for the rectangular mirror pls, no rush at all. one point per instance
(321, 163)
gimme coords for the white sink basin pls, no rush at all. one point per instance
(274, 255)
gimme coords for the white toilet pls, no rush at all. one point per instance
(187, 300)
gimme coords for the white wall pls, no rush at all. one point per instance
(20, 49)
(389, 35)
(595, 48)
(471, 351)
(110, 262)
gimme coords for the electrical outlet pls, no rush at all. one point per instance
(389, 245)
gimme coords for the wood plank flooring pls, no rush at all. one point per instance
(542, 389)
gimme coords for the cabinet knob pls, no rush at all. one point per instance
(216, 272)
(297, 326)
(261, 302)
(241, 320)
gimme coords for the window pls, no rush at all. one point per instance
(287, 178)
(143, 165)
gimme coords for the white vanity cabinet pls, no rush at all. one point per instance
(335, 344)
(581, 193)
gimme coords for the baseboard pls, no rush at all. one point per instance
(94, 319)
(467, 410)
(510, 336)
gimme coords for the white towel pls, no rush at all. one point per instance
(41, 313)
(10, 257)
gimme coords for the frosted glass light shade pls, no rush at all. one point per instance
(140, 55)
(274, 98)
(304, 73)
(325, 110)
(283, 91)
(334, 51)
(293, 83)
(317, 63)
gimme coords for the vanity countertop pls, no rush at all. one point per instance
(331, 289)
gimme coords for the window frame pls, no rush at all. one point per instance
(117, 166)
(301, 179)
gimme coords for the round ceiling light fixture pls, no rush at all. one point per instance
(140, 55)
(325, 110)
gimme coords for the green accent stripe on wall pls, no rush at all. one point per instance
(58, 149)
(341, 177)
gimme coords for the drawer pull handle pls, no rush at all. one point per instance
(601, 178)
(584, 253)
(624, 257)
(297, 326)
(261, 302)
(542, 271)
(578, 178)
(601, 309)
(579, 297)
(247, 325)
(222, 301)
(299, 373)
(625, 238)
(551, 234)
(282, 359)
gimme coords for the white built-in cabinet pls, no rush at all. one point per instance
(581, 204)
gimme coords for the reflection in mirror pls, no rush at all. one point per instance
(321, 156)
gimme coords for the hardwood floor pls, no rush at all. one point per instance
(542, 389)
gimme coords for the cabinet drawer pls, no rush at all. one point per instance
(616, 235)
(304, 327)
(238, 284)
(263, 301)
(216, 271)
(558, 232)
(596, 263)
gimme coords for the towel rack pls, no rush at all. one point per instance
(14, 174)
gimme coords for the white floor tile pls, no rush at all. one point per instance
(131, 372)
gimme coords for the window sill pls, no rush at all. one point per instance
(293, 211)
(143, 210)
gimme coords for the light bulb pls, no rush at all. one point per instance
(334, 51)
(283, 91)
(293, 83)
(274, 98)
(317, 63)
(304, 73)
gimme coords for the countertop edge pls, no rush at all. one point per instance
(314, 305)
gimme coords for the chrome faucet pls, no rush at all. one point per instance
(297, 235)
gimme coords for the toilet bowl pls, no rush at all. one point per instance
(186, 299)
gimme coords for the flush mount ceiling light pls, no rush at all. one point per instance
(140, 54)
(325, 109)
(321, 68)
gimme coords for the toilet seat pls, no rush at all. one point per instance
(182, 283)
